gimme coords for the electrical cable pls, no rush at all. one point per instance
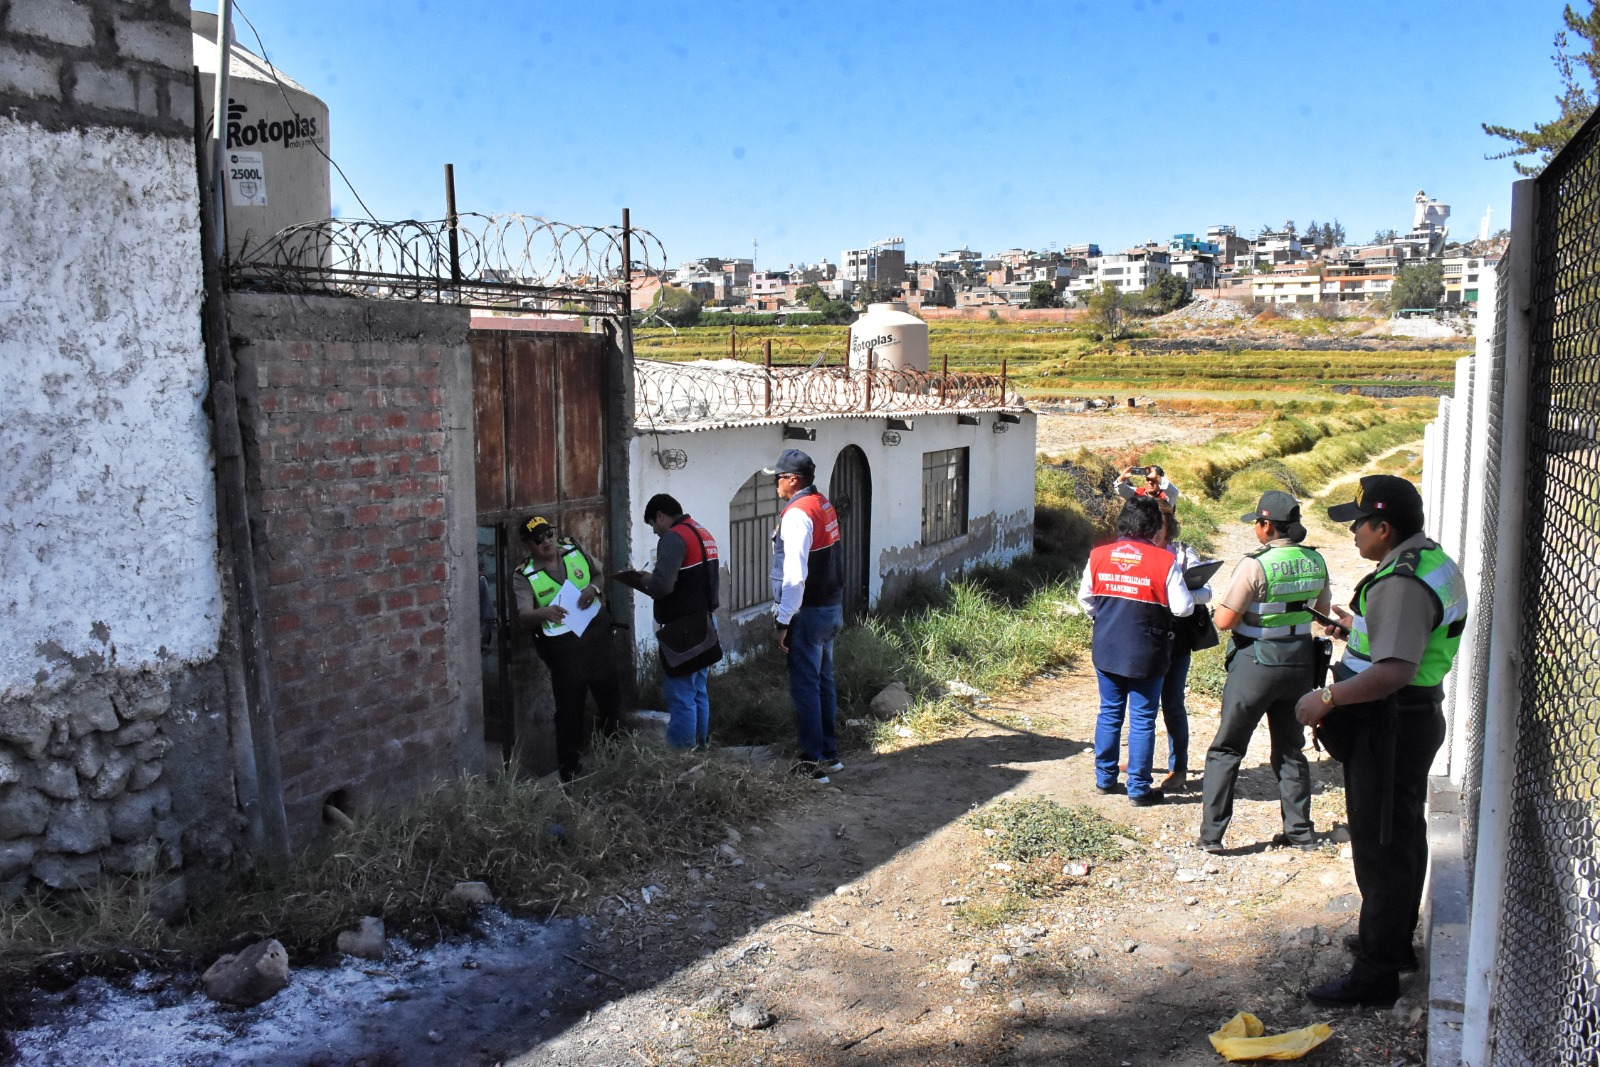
(284, 92)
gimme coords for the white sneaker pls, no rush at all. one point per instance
(832, 767)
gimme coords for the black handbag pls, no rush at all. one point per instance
(689, 644)
(1202, 631)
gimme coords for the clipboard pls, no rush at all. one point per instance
(633, 579)
(1198, 575)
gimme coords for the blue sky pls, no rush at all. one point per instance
(813, 128)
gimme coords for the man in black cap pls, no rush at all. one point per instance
(1271, 661)
(808, 594)
(1403, 631)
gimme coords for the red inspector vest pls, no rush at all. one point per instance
(1132, 621)
(696, 589)
(824, 567)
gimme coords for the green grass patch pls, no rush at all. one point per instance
(1038, 828)
(989, 914)
(1036, 837)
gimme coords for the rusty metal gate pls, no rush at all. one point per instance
(850, 492)
(540, 450)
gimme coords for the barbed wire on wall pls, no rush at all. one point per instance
(507, 261)
(668, 394)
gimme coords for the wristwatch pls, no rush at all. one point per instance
(1326, 693)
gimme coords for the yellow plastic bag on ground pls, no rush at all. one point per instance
(1244, 1038)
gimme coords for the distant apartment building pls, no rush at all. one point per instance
(1081, 251)
(1272, 247)
(958, 261)
(1133, 270)
(1187, 242)
(1230, 246)
(1199, 269)
(881, 261)
(1333, 282)
(768, 282)
(1462, 274)
(928, 286)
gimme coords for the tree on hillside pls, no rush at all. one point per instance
(1383, 237)
(1417, 285)
(675, 307)
(1167, 293)
(811, 296)
(1312, 234)
(1105, 308)
(1332, 235)
(834, 310)
(877, 292)
(1575, 103)
(1042, 295)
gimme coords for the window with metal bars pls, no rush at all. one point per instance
(944, 495)
(747, 559)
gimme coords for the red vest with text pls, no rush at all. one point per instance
(696, 588)
(1132, 622)
(825, 567)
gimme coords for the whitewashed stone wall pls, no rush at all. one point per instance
(114, 740)
(109, 519)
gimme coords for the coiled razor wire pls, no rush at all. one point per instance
(507, 261)
(723, 391)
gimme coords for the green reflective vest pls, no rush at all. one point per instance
(1295, 577)
(545, 587)
(1449, 588)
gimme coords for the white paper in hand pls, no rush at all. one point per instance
(578, 619)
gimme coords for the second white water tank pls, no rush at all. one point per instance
(890, 337)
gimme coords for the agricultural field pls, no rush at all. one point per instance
(1187, 365)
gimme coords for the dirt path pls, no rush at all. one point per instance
(872, 925)
(858, 919)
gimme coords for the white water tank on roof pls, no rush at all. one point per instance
(890, 337)
(276, 158)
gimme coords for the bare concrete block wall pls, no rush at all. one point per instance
(364, 498)
(65, 64)
(114, 705)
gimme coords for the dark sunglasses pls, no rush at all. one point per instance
(542, 536)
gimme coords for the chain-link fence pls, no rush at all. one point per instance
(1525, 699)
(1549, 1007)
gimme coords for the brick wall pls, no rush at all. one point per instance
(364, 506)
(65, 63)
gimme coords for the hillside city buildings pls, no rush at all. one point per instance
(1277, 266)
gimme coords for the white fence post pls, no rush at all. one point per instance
(1505, 618)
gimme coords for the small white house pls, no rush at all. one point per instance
(928, 477)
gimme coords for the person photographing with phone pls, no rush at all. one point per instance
(1382, 718)
(1146, 481)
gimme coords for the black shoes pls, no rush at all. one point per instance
(1155, 796)
(1109, 790)
(816, 772)
(1212, 847)
(1284, 841)
(1349, 991)
(1352, 944)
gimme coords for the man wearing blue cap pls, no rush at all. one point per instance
(808, 594)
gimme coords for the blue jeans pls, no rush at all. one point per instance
(1140, 699)
(811, 634)
(688, 708)
(1175, 714)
